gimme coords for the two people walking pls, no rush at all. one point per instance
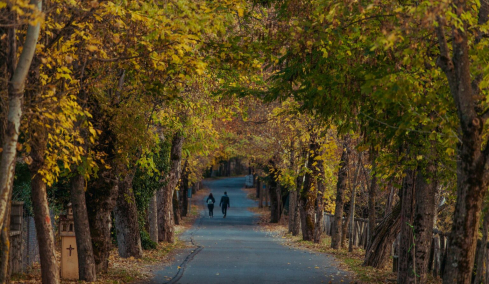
(224, 204)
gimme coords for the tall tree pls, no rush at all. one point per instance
(166, 228)
(340, 194)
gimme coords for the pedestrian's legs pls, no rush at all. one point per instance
(211, 210)
(224, 210)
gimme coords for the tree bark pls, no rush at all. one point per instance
(184, 189)
(379, 249)
(14, 116)
(44, 229)
(481, 260)
(296, 226)
(472, 173)
(390, 200)
(292, 208)
(340, 195)
(86, 261)
(166, 222)
(101, 200)
(309, 192)
(344, 228)
(153, 219)
(257, 184)
(126, 220)
(425, 209)
(406, 251)
(5, 244)
(318, 227)
(352, 201)
(272, 192)
(176, 207)
(278, 192)
(260, 201)
(372, 196)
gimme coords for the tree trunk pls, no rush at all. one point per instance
(267, 195)
(318, 227)
(153, 219)
(261, 195)
(481, 260)
(184, 189)
(274, 211)
(379, 249)
(340, 195)
(390, 200)
(292, 208)
(166, 230)
(44, 229)
(101, 200)
(344, 228)
(126, 220)
(176, 207)
(86, 261)
(406, 251)
(296, 226)
(351, 214)
(278, 192)
(425, 210)
(472, 162)
(14, 116)
(273, 193)
(371, 196)
(257, 183)
(5, 244)
(309, 192)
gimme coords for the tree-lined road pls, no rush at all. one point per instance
(234, 250)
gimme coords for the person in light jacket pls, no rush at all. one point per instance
(210, 204)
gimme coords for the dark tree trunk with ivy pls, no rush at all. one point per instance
(126, 220)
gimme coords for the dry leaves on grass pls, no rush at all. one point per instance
(126, 270)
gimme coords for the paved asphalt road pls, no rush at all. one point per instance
(234, 250)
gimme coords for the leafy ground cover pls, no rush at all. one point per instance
(349, 261)
(128, 270)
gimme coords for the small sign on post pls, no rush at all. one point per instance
(69, 252)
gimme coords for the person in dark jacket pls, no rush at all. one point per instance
(210, 204)
(224, 204)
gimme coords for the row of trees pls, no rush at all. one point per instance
(109, 102)
(403, 86)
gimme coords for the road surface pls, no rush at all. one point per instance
(234, 250)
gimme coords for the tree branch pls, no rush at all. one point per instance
(443, 61)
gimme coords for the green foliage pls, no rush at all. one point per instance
(146, 241)
(148, 180)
